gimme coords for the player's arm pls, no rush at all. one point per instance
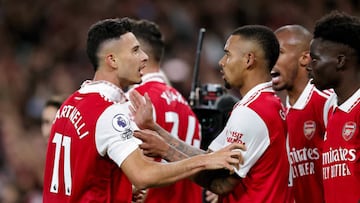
(172, 149)
(153, 145)
(144, 173)
(142, 111)
(243, 119)
(217, 181)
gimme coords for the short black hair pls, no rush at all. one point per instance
(149, 32)
(102, 31)
(265, 37)
(54, 102)
(339, 27)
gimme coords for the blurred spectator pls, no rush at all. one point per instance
(48, 115)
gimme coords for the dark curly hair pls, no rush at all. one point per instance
(339, 27)
(149, 32)
(102, 31)
(265, 37)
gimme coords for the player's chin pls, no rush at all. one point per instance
(278, 86)
(138, 81)
(318, 84)
(227, 85)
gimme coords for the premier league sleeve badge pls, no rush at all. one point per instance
(121, 123)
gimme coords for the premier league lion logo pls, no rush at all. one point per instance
(120, 123)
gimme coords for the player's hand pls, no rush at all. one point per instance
(153, 145)
(138, 196)
(228, 157)
(211, 197)
(141, 110)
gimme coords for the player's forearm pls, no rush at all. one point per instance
(160, 175)
(179, 145)
(217, 181)
(173, 154)
(157, 174)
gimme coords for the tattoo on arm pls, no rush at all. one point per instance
(218, 181)
(174, 155)
(179, 145)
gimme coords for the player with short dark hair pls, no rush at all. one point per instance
(92, 153)
(335, 53)
(257, 121)
(172, 111)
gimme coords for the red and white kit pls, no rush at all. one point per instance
(306, 129)
(258, 122)
(91, 137)
(341, 152)
(173, 113)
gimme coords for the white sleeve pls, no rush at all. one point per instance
(114, 133)
(244, 126)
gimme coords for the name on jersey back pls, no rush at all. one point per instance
(74, 116)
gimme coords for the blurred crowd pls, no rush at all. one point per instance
(42, 54)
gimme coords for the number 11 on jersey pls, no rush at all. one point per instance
(61, 141)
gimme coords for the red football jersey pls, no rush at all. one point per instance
(173, 113)
(258, 122)
(90, 138)
(341, 152)
(306, 130)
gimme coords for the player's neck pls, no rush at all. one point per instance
(295, 92)
(151, 67)
(344, 92)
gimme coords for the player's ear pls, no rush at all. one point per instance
(110, 60)
(250, 59)
(305, 59)
(341, 61)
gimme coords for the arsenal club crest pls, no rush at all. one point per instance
(348, 130)
(309, 129)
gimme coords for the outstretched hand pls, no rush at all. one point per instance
(141, 110)
(153, 145)
(228, 157)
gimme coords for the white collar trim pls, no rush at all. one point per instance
(104, 88)
(255, 92)
(350, 103)
(303, 99)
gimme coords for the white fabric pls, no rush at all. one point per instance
(111, 138)
(253, 130)
(117, 143)
(303, 99)
(108, 90)
(350, 103)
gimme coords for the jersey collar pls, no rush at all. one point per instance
(255, 92)
(154, 77)
(350, 103)
(107, 89)
(303, 99)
